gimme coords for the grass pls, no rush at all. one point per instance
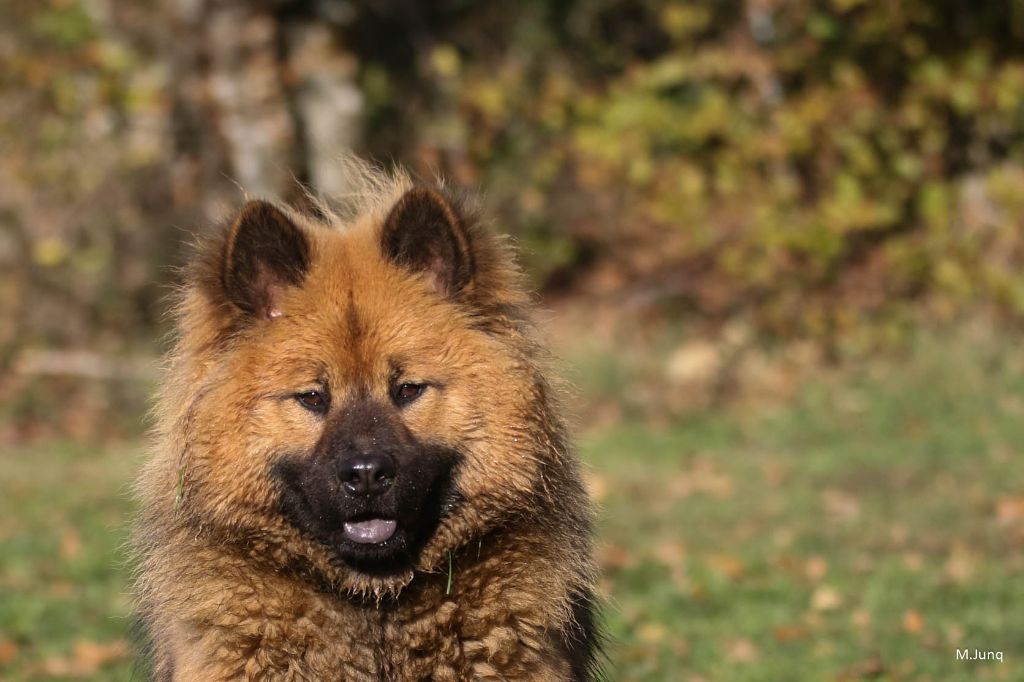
(865, 530)
(63, 577)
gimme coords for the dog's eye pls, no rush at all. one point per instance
(314, 401)
(406, 393)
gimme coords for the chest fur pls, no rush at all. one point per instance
(485, 625)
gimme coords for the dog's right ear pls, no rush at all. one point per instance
(264, 254)
(424, 234)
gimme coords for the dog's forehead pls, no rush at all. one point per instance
(364, 307)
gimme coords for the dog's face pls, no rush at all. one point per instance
(365, 410)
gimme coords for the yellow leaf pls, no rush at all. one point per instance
(825, 599)
(49, 252)
(913, 622)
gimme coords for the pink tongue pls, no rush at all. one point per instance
(370, 531)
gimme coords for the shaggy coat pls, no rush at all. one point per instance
(395, 328)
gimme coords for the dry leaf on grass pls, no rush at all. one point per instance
(816, 568)
(742, 651)
(840, 505)
(727, 564)
(790, 633)
(960, 565)
(865, 670)
(861, 618)
(695, 364)
(1010, 510)
(616, 557)
(913, 561)
(86, 659)
(8, 650)
(826, 598)
(70, 544)
(651, 632)
(597, 486)
(670, 552)
(701, 477)
(913, 621)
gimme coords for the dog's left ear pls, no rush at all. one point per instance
(423, 233)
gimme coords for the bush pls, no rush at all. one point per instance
(809, 165)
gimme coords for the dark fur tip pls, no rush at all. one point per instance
(584, 641)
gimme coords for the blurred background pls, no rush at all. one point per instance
(779, 243)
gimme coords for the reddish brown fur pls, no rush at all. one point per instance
(228, 590)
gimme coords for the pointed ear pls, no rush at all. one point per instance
(265, 253)
(424, 234)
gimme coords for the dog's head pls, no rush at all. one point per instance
(363, 398)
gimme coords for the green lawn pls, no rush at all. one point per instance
(865, 530)
(63, 572)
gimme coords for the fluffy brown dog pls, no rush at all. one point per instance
(361, 471)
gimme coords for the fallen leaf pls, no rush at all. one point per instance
(774, 473)
(695, 364)
(955, 634)
(638, 652)
(670, 552)
(597, 486)
(70, 544)
(62, 589)
(93, 655)
(913, 561)
(1000, 452)
(840, 505)
(899, 534)
(651, 632)
(865, 670)
(1010, 510)
(701, 477)
(726, 564)
(616, 556)
(742, 651)
(1012, 405)
(8, 650)
(825, 598)
(816, 568)
(790, 633)
(87, 658)
(783, 538)
(913, 622)
(960, 564)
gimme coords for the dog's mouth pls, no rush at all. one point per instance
(379, 534)
(369, 531)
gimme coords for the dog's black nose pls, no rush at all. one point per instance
(367, 475)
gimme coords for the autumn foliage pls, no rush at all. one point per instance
(832, 170)
(804, 164)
